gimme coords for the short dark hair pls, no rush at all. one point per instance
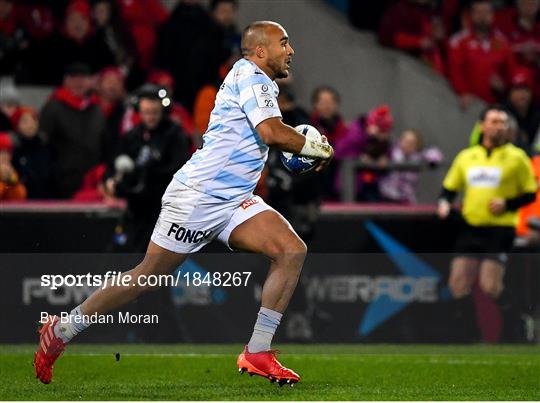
(492, 107)
(253, 29)
(151, 92)
(215, 3)
(324, 88)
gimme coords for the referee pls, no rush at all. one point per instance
(496, 179)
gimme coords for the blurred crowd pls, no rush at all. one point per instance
(486, 49)
(105, 59)
(133, 79)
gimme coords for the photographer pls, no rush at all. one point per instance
(147, 157)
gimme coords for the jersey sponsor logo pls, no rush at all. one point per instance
(264, 98)
(187, 235)
(248, 203)
(484, 177)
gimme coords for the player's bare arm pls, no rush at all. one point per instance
(274, 132)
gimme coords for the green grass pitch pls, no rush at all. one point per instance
(329, 372)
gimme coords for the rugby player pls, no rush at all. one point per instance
(206, 196)
(497, 179)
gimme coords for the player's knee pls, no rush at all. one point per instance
(459, 286)
(291, 251)
(299, 248)
(491, 286)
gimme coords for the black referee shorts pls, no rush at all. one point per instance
(489, 242)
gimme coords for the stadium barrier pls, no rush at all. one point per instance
(374, 274)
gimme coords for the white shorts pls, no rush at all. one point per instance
(190, 219)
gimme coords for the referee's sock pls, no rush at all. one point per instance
(513, 324)
(264, 330)
(464, 319)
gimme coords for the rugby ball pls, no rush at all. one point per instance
(297, 163)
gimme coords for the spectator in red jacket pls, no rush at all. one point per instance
(74, 127)
(110, 89)
(519, 104)
(480, 61)
(31, 158)
(522, 29)
(325, 116)
(111, 95)
(414, 26)
(327, 119)
(369, 140)
(11, 187)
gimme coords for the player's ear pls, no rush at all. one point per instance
(260, 52)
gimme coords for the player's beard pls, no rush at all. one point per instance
(278, 69)
(282, 74)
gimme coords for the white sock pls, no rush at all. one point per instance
(263, 332)
(75, 325)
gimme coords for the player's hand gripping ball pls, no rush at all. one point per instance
(297, 163)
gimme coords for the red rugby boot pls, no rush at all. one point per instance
(49, 349)
(266, 365)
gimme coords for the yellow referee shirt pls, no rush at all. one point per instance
(505, 172)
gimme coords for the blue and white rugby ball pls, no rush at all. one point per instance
(297, 163)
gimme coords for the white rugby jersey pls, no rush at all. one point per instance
(229, 164)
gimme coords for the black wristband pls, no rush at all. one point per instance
(516, 202)
(448, 195)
